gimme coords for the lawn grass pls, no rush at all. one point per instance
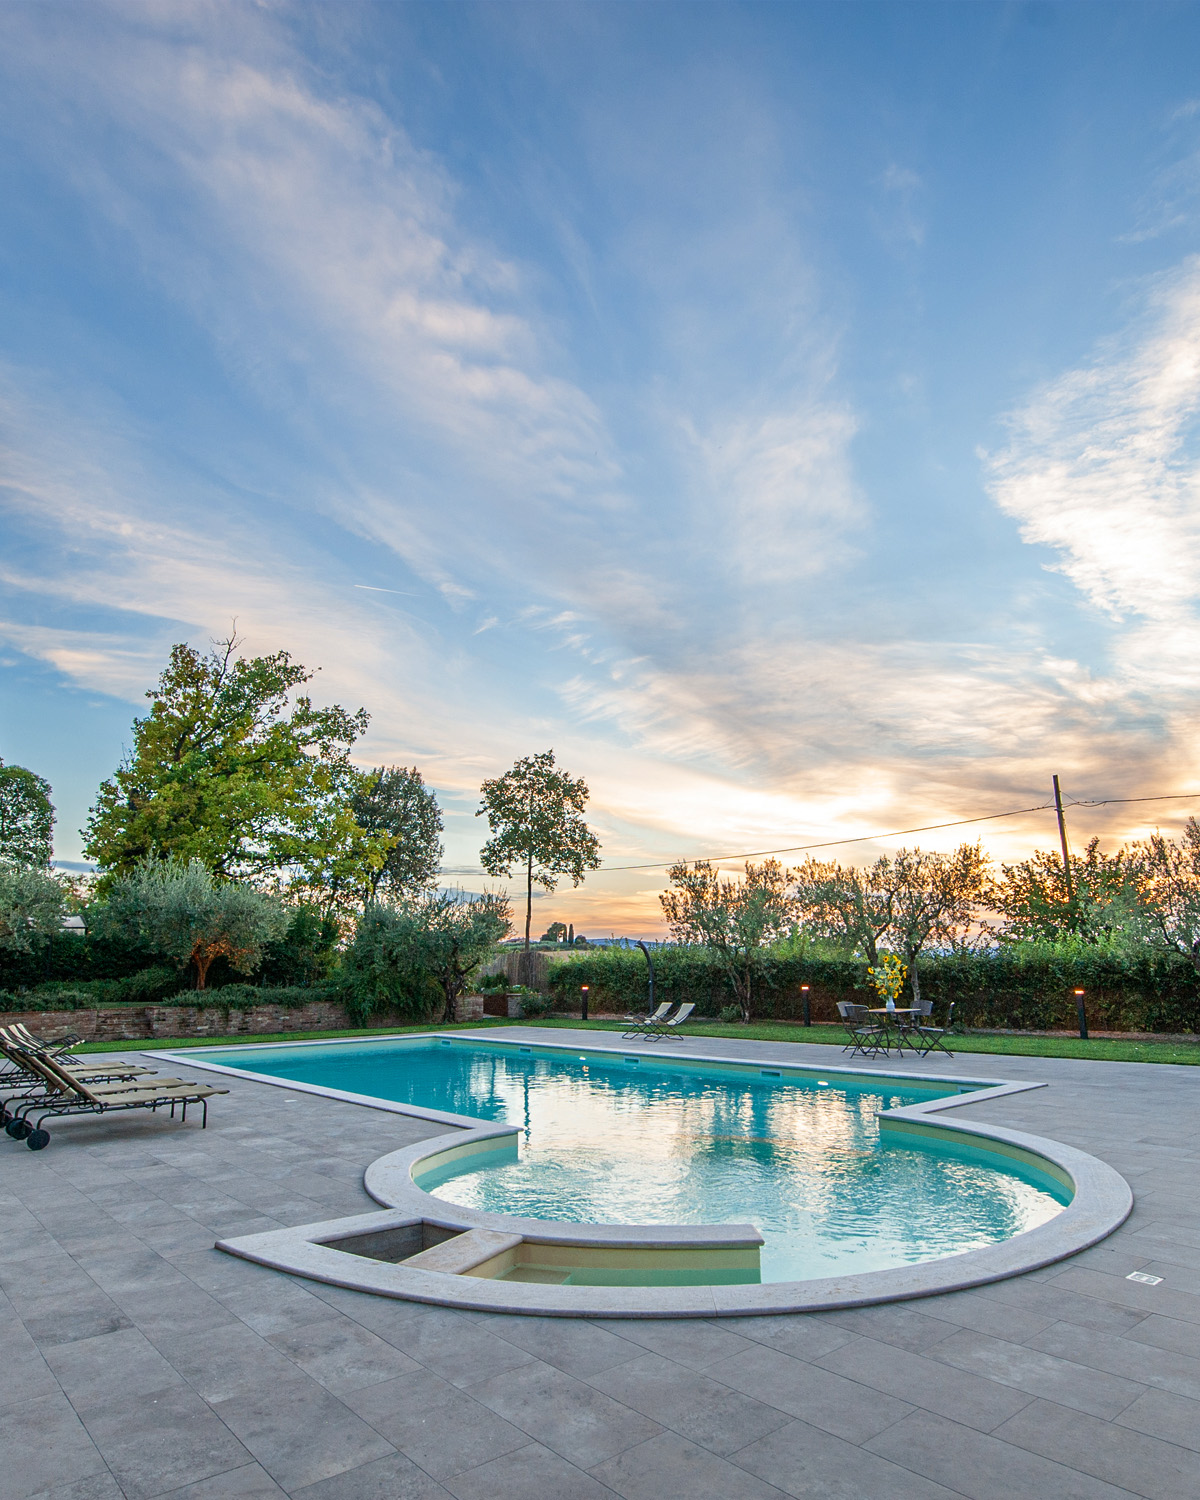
(1097, 1049)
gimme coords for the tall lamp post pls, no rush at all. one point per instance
(1083, 1031)
(804, 997)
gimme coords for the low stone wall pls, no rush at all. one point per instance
(142, 1022)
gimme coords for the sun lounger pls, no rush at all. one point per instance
(663, 1031)
(66, 1094)
(638, 1024)
(60, 1047)
(18, 1081)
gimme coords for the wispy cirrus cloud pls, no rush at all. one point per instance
(1103, 467)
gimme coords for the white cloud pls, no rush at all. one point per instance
(1103, 466)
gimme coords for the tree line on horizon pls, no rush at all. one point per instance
(238, 826)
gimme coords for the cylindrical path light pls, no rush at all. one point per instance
(1083, 1031)
(583, 993)
(807, 1012)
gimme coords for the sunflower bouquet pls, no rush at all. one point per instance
(888, 977)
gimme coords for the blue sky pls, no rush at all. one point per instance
(786, 412)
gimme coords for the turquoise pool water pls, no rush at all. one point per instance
(611, 1140)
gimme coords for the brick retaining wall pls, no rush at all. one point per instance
(141, 1022)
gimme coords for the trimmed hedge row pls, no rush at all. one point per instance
(1024, 987)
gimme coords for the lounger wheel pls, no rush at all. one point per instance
(37, 1139)
(18, 1129)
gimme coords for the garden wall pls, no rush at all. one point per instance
(144, 1022)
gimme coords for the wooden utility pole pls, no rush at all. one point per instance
(1066, 856)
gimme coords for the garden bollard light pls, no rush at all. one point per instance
(1083, 1031)
(583, 990)
(804, 995)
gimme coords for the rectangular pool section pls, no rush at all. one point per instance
(625, 1138)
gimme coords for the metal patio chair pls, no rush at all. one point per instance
(868, 1036)
(933, 1038)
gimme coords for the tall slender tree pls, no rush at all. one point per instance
(535, 814)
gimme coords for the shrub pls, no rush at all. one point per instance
(535, 1006)
(418, 957)
(1020, 986)
(247, 996)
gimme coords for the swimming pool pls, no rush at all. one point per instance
(607, 1138)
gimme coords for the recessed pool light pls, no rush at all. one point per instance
(821, 1084)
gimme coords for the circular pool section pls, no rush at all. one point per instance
(647, 1139)
(803, 1161)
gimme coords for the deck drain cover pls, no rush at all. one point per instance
(1143, 1278)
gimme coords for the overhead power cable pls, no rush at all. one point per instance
(869, 838)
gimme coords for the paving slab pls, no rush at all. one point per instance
(570, 1417)
(670, 1468)
(705, 1412)
(143, 1365)
(529, 1473)
(804, 1461)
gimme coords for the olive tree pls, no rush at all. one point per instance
(177, 909)
(420, 954)
(1164, 876)
(32, 906)
(737, 920)
(911, 902)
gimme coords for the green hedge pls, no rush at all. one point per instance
(1026, 986)
(161, 987)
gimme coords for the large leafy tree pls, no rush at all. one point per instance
(32, 906)
(1033, 898)
(26, 818)
(422, 952)
(175, 907)
(535, 814)
(1164, 878)
(737, 920)
(393, 803)
(234, 767)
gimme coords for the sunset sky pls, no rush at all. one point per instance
(788, 413)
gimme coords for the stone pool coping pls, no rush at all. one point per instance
(1101, 1201)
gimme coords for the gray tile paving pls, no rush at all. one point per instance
(669, 1468)
(140, 1363)
(529, 1473)
(566, 1415)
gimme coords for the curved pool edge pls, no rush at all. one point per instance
(1101, 1201)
